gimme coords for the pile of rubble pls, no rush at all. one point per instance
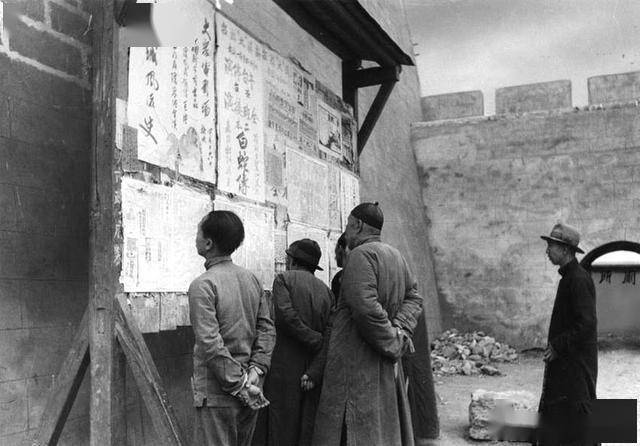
(454, 353)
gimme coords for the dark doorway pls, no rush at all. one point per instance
(615, 268)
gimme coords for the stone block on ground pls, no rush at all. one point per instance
(483, 403)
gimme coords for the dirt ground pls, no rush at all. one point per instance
(618, 377)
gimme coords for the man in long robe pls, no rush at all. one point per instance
(302, 304)
(376, 314)
(571, 357)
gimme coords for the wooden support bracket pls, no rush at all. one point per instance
(374, 113)
(144, 372)
(368, 77)
(65, 388)
(354, 78)
(147, 377)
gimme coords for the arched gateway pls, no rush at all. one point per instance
(615, 268)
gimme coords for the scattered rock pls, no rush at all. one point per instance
(488, 370)
(455, 353)
(483, 403)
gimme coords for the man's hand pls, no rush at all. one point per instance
(306, 383)
(253, 377)
(549, 354)
(253, 397)
(406, 340)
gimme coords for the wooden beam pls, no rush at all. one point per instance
(65, 388)
(373, 114)
(103, 278)
(349, 90)
(349, 24)
(374, 76)
(310, 24)
(320, 11)
(147, 378)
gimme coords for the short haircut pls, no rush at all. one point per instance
(225, 229)
(303, 264)
(342, 242)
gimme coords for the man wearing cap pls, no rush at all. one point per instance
(376, 313)
(302, 304)
(571, 357)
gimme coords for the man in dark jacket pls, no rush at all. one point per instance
(571, 357)
(302, 304)
(341, 252)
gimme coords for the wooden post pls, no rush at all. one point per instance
(103, 278)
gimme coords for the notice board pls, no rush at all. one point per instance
(225, 123)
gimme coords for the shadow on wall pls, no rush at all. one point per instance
(615, 268)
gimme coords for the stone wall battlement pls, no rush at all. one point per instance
(622, 89)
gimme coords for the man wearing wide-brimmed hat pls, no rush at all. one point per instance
(302, 305)
(571, 357)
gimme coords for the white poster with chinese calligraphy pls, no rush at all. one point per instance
(171, 99)
(188, 209)
(281, 126)
(159, 227)
(333, 187)
(259, 243)
(349, 194)
(306, 110)
(308, 198)
(257, 252)
(297, 231)
(240, 89)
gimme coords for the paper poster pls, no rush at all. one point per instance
(257, 251)
(306, 110)
(296, 231)
(171, 100)
(349, 194)
(259, 243)
(329, 131)
(239, 70)
(333, 188)
(281, 129)
(308, 198)
(159, 229)
(349, 140)
(188, 208)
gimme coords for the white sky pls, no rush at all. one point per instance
(487, 44)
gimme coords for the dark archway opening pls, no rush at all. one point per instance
(615, 269)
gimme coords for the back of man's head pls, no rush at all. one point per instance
(225, 229)
(369, 213)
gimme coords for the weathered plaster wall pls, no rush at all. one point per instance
(492, 185)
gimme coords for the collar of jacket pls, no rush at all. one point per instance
(569, 266)
(215, 260)
(366, 239)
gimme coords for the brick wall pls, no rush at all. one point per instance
(492, 185)
(45, 107)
